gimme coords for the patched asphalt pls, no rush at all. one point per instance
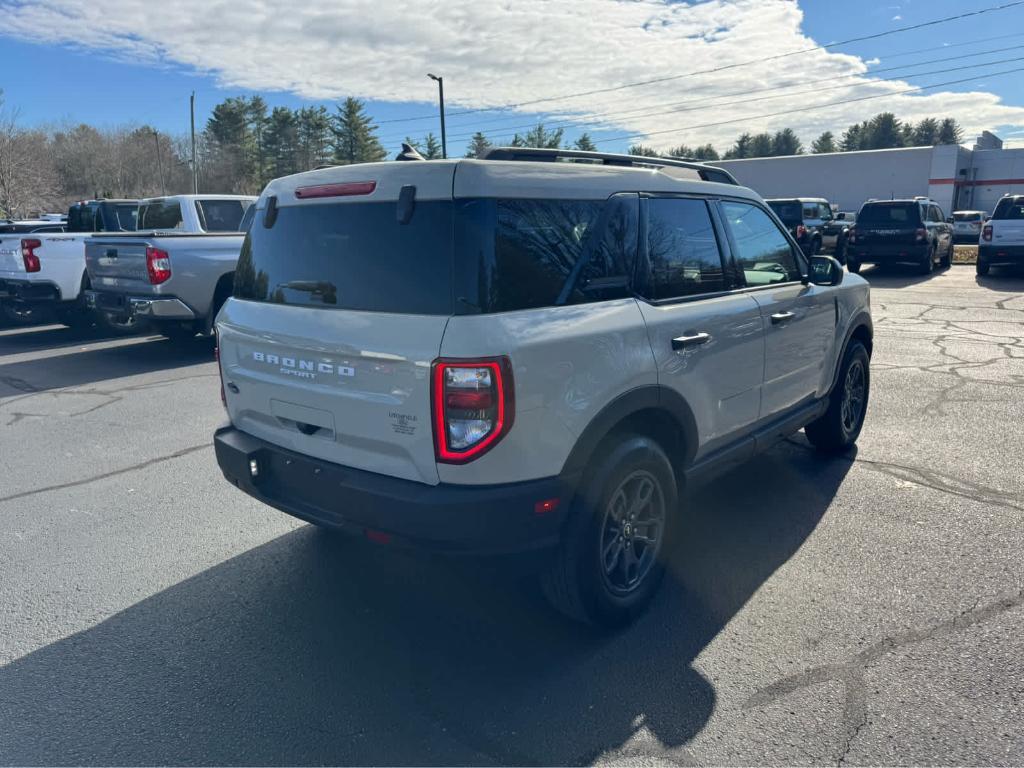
(867, 609)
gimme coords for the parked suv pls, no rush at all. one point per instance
(807, 219)
(1002, 236)
(900, 231)
(515, 354)
(967, 226)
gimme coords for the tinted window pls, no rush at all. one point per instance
(247, 217)
(825, 211)
(682, 249)
(762, 250)
(966, 217)
(1009, 208)
(222, 215)
(82, 218)
(890, 214)
(124, 214)
(520, 254)
(351, 256)
(160, 214)
(788, 212)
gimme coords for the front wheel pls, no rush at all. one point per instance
(611, 559)
(836, 430)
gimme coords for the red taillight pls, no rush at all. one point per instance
(986, 233)
(158, 264)
(473, 406)
(801, 231)
(921, 234)
(28, 254)
(337, 190)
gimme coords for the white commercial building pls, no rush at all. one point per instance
(956, 177)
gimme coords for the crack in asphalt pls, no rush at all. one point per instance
(851, 673)
(105, 475)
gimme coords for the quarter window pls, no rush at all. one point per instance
(762, 250)
(682, 250)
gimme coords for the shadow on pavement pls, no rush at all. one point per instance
(89, 366)
(899, 275)
(310, 649)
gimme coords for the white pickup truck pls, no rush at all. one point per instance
(46, 269)
(177, 269)
(1002, 236)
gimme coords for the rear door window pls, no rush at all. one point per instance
(222, 215)
(160, 214)
(764, 253)
(789, 212)
(683, 256)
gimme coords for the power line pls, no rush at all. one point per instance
(687, 106)
(775, 57)
(806, 109)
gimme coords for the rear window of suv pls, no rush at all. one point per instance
(462, 257)
(788, 212)
(966, 217)
(1009, 208)
(890, 214)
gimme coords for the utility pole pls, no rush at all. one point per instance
(440, 91)
(195, 168)
(159, 162)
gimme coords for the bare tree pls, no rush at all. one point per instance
(27, 176)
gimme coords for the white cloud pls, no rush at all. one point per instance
(897, 17)
(492, 54)
(873, 62)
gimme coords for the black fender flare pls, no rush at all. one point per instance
(645, 398)
(860, 320)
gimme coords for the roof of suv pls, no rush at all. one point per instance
(462, 178)
(795, 200)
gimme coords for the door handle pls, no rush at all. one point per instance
(782, 317)
(693, 340)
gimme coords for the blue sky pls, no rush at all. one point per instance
(96, 75)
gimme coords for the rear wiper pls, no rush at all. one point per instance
(327, 291)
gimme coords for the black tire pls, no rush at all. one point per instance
(947, 260)
(836, 430)
(927, 266)
(981, 267)
(853, 266)
(589, 577)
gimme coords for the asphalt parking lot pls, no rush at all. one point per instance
(861, 610)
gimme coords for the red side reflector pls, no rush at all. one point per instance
(337, 190)
(378, 537)
(470, 400)
(543, 507)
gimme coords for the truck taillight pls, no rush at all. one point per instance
(921, 234)
(28, 254)
(473, 404)
(801, 231)
(986, 233)
(158, 265)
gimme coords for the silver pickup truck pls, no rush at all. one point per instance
(177, 270)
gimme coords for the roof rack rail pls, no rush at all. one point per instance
(534, 154)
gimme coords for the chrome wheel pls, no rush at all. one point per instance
(854, 387)
(632, 532)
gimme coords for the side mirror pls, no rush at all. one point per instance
(825, 270)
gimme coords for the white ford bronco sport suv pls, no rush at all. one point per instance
(534, 351)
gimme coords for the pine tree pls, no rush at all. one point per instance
(950, 132)
(740, 149)
(761, 145)
(824, 143)
(431, 149)
(853, 138)
(478, 145)
(706, 152)
(355, 135)
(681, 151)
(585, 144)
(539, 137)
(314, 130)
(642, 150)
(786, 142)
(282, 143)
(925, 133)
(258, 122)
(884, 132)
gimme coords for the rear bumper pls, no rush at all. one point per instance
(887, 254)
(996, 254)
(29, 291)
(467, 519)
(154, 307)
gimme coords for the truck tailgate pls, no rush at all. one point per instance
(11, 263)
(115, 263)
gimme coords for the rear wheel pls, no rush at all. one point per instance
(611, 559)
(927, 266)
(981, 267)
(947, 260)
(837, 429)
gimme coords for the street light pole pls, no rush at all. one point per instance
(195, 168)
(440, 92)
